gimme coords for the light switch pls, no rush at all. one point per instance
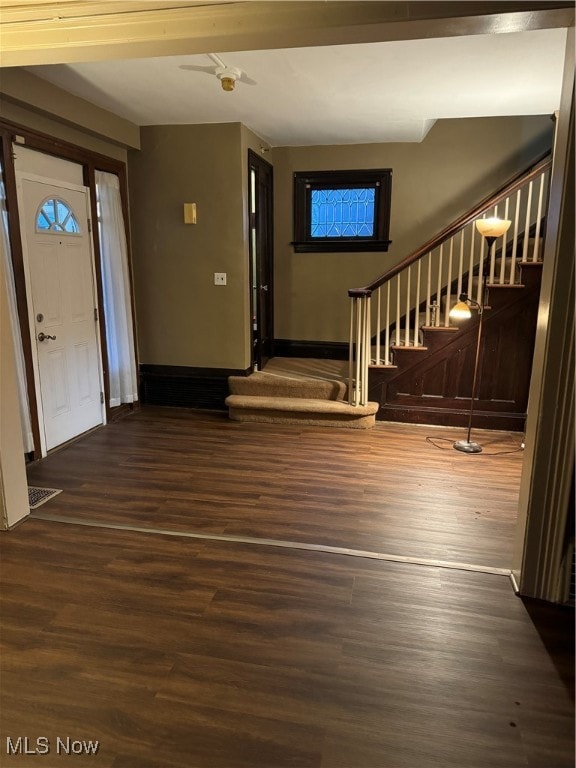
(219, 278)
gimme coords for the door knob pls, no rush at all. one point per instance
(44, 336)
(263, 287)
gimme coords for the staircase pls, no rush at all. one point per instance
(417, 364)
(432, 382)
(408, 361)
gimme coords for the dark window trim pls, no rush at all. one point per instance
(305, 181)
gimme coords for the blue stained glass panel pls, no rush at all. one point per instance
(342, 212)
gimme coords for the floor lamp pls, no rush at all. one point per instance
(490, 229)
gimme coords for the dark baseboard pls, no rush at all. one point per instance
(323, 350)
(186, 387)
(446, 417)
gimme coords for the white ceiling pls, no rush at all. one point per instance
(376, 92)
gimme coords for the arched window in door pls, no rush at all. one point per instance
(55, 215)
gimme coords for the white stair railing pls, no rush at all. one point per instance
(420, 290)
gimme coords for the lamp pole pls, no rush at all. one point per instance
(490, 229)
(465, 445)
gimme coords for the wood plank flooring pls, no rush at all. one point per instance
(180, 653)
(384, 490)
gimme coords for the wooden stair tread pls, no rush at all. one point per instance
(529, 264)
(397, 347)
(505, 285)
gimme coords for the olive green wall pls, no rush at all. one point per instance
(34, 103)
(457, 164)
(183, 318)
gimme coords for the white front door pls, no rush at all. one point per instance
(62, 307)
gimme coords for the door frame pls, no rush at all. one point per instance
(26, 176)
(90, 161)
(257, 354)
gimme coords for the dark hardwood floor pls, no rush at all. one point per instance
(180, 653)
(384, 490)
(175, 652)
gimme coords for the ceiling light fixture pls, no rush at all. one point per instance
(228, 77)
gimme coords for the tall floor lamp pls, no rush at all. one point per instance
(490, 229)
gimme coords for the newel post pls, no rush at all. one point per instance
(359, 345)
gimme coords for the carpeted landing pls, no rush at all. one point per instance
(284, 394)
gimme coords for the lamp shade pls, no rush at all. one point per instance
(460, 311)
(492, 227)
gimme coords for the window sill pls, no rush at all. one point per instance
(346, 246)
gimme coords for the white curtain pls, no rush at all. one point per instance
(13, 310)
(116, 288)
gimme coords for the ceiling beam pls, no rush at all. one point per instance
(72, 31)
(48, 10)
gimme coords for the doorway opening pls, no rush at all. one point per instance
(261, 249)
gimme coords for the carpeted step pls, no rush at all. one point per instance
(300, 410)
(268, 385)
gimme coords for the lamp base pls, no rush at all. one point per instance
(467, 447)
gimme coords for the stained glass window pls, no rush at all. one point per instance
(55, 215)
(342, 212)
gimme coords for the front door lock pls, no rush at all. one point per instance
(44, 336)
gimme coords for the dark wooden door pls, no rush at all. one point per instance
(260, 197)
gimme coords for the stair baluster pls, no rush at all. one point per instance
(502, 278)
(407, 314)
(439, 285)
(417, 305)
(448, 291)
(428, 294)
(515, 240)
(387, 337)
(527, 225)
(538, 220)
(493, 253)
(460, 264)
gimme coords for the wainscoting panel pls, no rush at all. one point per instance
(320, 350)
(186, 387)
(433, 385)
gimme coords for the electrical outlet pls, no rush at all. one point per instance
(219, 278)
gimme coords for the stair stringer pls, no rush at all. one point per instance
(434, 386)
